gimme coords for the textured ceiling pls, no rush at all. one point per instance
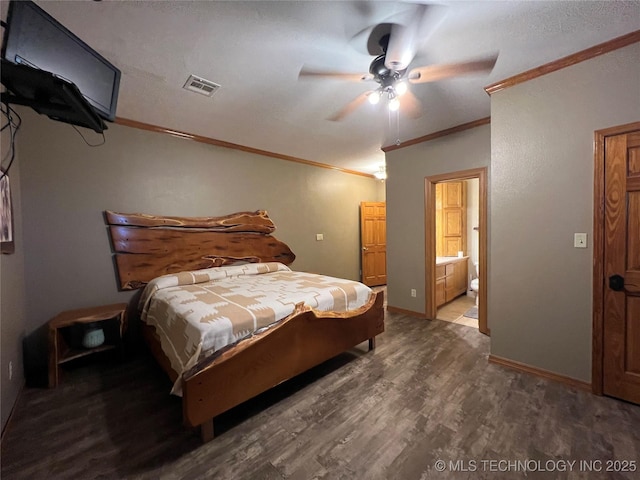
(255, 51)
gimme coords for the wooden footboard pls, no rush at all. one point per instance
(298, 343)
(261, 362)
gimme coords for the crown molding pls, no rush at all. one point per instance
(589, 53)
(234, 146)
(442, 133)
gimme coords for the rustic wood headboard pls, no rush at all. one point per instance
(147, 246)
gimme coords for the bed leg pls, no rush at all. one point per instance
(372, 343)
(206, 431)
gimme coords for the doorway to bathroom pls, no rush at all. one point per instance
(456, 245)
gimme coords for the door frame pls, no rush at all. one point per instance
(430, 240)
(597, 347)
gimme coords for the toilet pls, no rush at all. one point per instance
(474, 284)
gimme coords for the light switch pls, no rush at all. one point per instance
(319, 236)
(580, 240)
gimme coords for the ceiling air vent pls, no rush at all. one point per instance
(201, 86)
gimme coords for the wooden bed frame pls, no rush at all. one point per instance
(148, 246)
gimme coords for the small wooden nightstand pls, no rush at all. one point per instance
(62, 349)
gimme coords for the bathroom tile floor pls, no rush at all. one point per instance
(454, 311)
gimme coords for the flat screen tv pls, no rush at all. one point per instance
(34, 38)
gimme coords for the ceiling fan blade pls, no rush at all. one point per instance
(410, 105)
(352, 77)
(403, 42)
(350, 107)
(431, 73)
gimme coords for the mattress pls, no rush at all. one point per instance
(198, 313)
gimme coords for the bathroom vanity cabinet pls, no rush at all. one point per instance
(451, 278)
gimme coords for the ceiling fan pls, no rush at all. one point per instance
(395, 45)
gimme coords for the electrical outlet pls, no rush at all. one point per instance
(413, 292)
(10, 370)
(319, 237)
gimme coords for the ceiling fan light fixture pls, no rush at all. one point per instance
(401, 88)
(374, 97)
(381, 174)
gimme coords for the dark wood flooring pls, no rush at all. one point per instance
(425, 394)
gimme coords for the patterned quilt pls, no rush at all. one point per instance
(197, 313)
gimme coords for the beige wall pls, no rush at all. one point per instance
(407, 169)
(66, 186)
(12, 304)
(12, 295)
(540, 287)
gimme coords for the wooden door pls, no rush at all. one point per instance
(439, 229)
(451, 219)
(373, 235)
(621, 305)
